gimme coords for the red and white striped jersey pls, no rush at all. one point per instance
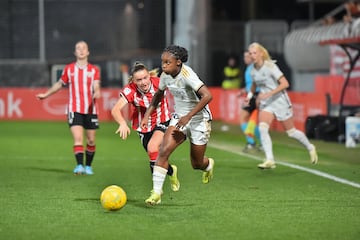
(141, 101)
(80, 81)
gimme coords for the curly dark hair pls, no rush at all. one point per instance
(179, 53)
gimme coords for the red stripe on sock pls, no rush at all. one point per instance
(78, 149)
(153, 155)
(90, 148)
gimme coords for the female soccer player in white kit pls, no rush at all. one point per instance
(192, 117)
(274, 102)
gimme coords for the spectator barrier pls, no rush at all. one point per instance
(21, 104)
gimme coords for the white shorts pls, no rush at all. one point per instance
(198, 132)
(281, 114)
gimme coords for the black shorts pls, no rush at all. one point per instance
(145, 137)
(252, 104)
(87, 121)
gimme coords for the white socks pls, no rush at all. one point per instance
(266, 141)
(159, 175)
(301, 137)
(209, 167)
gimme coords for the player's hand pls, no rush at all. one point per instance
(41, 96)
(123, 131)
(263, 96)
(182, 122)
(241, 93)
(97, 95)
(144, 123)
(246, 102)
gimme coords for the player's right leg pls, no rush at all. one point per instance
(267, 146)
(75, 121)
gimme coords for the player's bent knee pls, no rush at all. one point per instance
(291, 132)
(263, 127)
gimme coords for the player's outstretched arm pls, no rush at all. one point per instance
(54, 88)
(123, 129)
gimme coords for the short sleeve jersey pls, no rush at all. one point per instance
(184, 89)
(266, 79)
(80, 81)
(140, 101)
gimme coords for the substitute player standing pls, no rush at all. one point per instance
(192, 117)
(274, 103)
(83, 81)
(139, 93)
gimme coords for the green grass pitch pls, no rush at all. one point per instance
(42, 199)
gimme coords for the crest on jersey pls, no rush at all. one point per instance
(90, 74)
(127, 91)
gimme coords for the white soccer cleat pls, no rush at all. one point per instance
(268, 164)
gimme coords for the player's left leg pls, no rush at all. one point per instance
(200, 161)
(91, 124)
(199, 137)
(90, 150)
(292, 132)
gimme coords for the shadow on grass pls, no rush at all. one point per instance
(87, 199)
(58, 170)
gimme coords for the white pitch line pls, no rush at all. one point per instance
(309, 170)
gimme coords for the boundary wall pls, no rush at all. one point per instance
(21, 104)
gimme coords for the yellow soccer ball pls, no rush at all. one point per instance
(113, 198)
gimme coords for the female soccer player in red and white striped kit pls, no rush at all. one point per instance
(139, 93)
(83, 81)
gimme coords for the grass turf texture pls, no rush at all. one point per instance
(42, 199)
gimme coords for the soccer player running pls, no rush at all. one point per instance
(83, 81)
(192, 117)
(274, 102)
(139, 93)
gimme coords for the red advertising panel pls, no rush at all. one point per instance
(22, 104)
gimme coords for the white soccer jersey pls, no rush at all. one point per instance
(266, 79)
(184, 89)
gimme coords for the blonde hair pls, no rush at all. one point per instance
(262, 49)
(154, 72)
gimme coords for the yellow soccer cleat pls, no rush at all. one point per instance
(154, 199)
(268, 164)
(313, 155)
(174, 181)
(208, 175)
